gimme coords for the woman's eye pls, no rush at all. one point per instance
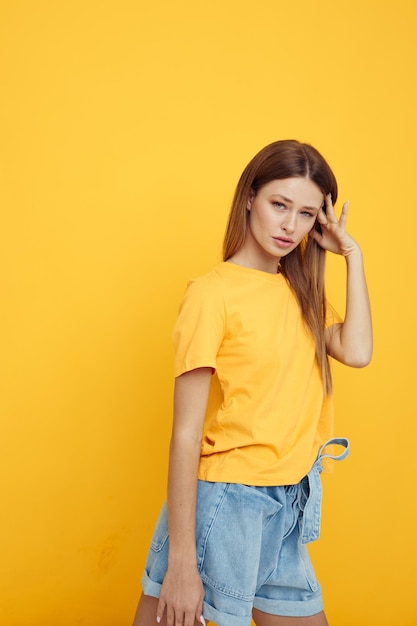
(307, 214)
(278, 205)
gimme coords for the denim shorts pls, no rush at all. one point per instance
(251, 548)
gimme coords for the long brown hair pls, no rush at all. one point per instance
(303, 268)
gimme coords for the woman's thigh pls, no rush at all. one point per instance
(266, 619)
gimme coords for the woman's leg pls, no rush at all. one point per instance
(146, 613)
(266, 619)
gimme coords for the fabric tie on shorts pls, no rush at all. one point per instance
(311, 491)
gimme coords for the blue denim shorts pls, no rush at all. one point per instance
(251, 548)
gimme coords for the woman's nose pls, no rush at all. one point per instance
(289, 224)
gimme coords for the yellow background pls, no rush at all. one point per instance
(124, 127)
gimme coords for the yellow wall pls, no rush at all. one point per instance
(124, 127)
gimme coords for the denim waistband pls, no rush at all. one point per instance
(311, 491)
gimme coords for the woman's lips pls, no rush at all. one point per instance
(283, 242)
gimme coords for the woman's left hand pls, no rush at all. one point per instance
(334, 237)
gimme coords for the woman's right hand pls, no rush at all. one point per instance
(181, 597)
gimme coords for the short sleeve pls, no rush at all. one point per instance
(332, 316)
(199, 328)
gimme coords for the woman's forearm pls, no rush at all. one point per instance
(182, 495)
(352, 344)
(190, 402)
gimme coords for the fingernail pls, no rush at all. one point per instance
(202, 620)
(158, 620)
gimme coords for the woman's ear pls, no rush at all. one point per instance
(250, 199)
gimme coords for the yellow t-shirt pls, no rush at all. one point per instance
(267, 414)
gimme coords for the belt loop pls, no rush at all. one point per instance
(310, 523)
(339, 441)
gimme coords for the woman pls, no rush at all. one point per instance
(253, 405)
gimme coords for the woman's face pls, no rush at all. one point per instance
(282, 213)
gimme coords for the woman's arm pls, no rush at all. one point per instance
(350, 342)
(182, 590)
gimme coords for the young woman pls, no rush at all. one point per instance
(253, 407)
